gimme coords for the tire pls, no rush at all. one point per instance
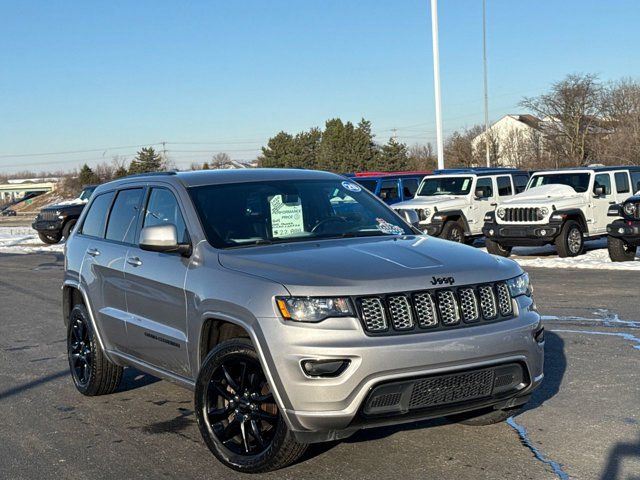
(68, 227)
(496, 249)
(453, 232)
(93, 374)
(620, 251)
(232, 401)
(50, 238)
(570, 241)
(481, 418)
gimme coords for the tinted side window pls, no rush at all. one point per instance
(389, 190)
(409, 187)
(635, 181)
(163, 209)
(485, 184)
(96, 218)
(124, 216)
(520, 181)
(504, 186)
(622, 182)
(603, 180)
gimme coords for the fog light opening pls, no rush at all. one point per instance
(621, 230)
(538, 335)
(491, 232)
(325, 368)
(543, 232)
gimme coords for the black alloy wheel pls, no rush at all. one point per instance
(237, 413)
(79, 348)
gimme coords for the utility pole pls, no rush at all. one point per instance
(486, 94)
(436, 82)
(164, 154)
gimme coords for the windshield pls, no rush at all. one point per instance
(255, 213)
(368, 184)
(445, 186)
(579, 181)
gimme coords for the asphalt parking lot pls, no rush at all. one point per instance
(584, 422)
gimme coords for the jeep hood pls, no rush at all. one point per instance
(361, 266)
(544, 194)
(443, 202)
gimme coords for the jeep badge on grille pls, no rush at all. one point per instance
(442, 281)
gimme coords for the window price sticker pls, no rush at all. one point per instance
(286, 218)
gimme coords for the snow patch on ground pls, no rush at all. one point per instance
(595, 258)
(22, 240)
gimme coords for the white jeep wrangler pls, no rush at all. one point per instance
(562, 207)
(452, 203)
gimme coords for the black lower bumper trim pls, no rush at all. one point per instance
(515, 235)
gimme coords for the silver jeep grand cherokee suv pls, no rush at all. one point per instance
(296, 305)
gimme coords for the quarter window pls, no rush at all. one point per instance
(124, 216)
(504, 186)
(603, 180)
(622, 182)
(96, 218)
(163, 209)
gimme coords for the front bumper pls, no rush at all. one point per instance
(47, 225)
(320, 409)
(521, 235)
(629, 231)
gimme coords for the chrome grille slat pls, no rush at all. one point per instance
(400, 312)
(373, 314)
(504, 299)
(425, 309)
(442, 308)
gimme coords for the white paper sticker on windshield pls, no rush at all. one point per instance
(286, 218)
(465, 184)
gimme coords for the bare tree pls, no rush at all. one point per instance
(572, 112)
(458, 148)
(422, 157)
(220, 160)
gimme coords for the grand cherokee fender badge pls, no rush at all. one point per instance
(442, 280)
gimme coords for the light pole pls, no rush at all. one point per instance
(486, 94)
(436, 82)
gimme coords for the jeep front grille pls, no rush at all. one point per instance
(47, 215)
(434, 309)
(522, 214)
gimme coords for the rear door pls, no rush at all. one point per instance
(102, 273)
(155, 293)
(390, 191)
(409, 188)
(622, 186)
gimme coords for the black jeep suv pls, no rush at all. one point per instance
(55, 222)
(624, 233)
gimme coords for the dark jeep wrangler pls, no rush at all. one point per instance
(55, 222)
(624, 233)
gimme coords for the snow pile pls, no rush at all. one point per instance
(20, 240)
(595, 258)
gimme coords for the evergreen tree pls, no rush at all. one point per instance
(120, 172)
(393, 156)
(205, 166)
(278, 153)
(147, 160)
(87, 176)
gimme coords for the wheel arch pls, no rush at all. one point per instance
(455, 216)
(574, 214)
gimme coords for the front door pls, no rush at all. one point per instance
(600, 203)
(481, 206)
(157, 327)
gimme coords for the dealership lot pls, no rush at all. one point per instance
(583, 423)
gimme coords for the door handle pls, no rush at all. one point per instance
(612, 203)
(134, 261)
(94, 252)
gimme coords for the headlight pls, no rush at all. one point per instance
(308, 309)
(501, 212)
(519, 285)
(423, 213)
(544, 211)
(630, 209)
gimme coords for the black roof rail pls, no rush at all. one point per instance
(149, 174)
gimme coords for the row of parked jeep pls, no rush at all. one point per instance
(512, 207)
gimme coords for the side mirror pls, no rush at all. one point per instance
(410, 216)
(598, 191)
(162, 238)
(614, 211)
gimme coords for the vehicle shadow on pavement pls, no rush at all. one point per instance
(616, 456)
(555, 365)
(133, 379)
